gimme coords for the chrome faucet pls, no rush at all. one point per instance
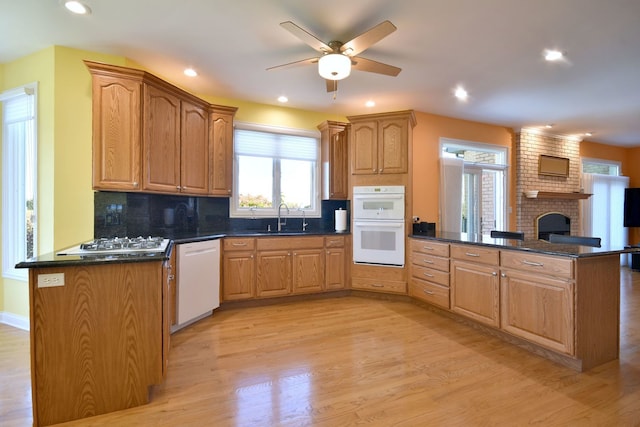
(304, 222)
(280, 224)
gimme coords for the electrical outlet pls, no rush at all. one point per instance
(50, 280)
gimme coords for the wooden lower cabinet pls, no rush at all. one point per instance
(430, 272)
(539, 309)
(238, 269)
(475, 292)
(308, 271)
(97, 341)
(266, 267)
(273, 273)
(238, 275)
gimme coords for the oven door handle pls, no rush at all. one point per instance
(378, 196)
(389, 224)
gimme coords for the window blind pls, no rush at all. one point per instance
(275, 145)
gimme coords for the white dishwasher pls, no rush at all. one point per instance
(198, 280)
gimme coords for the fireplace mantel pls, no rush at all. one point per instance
(558, 195)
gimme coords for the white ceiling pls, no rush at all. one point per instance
(492, 47)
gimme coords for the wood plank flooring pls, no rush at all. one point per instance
(359, 361)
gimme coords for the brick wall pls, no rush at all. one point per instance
(529, 146)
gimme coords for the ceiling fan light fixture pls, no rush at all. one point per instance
(77, 7)
(334, 66)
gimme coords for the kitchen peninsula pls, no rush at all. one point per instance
(559, 301)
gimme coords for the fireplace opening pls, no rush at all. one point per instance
(552, 223)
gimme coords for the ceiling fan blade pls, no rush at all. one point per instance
(363, 64)
(306, 37)
(295, 63)
(368, 38)
(332, 85)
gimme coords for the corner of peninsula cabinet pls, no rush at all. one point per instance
(99, 336)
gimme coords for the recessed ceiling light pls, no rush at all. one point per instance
(283, 99)
(588, 134)
(553, 55)
(77, 7)
(370, 103)
(549, 126)
(190, 72)
(461, 93)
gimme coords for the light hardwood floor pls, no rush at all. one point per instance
(359, 361)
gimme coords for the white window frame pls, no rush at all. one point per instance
(603, 162)
(14, 202)
(501, 215)
(314, 212)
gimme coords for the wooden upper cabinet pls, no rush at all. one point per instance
(221, 149)
(161, 141)
(380, 142)
(151, 136)
(364, 141)
(116, 131)
(393, 146)
(194, 149)
(334, 142)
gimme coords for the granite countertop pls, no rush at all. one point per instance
(531, 245)
(54, 260)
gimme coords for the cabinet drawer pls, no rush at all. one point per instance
(435, 276)
(428, 261)
(429, 292)
(473, 253)
(430, 247)
(379, 285)
(541, 264)
(334, 242)
(239, 244)
(284, 243)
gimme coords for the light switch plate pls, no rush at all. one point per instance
(50, 280)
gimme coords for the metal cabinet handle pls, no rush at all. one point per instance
(494, 273)
(135, 184)
(471, 254)
(531, 263)
(428, 275)
(377, 285)
(427, 261)
(428, 248)
(503, 275)
(427, 292)
(239, 244)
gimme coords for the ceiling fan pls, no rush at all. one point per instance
(337, 58)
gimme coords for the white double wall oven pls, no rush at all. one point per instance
(378, 225)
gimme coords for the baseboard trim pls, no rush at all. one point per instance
(15, 320)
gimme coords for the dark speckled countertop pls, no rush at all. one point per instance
(534, 246)
(53, 260)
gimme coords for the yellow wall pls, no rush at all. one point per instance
(426, 168)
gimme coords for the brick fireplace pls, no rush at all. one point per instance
(529, 145)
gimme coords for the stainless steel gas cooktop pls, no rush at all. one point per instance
(118, 245)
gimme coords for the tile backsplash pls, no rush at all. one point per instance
(138, 214)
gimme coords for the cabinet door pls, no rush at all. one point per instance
(194, 149)
(538, 309)
(392, 146)
(238, 275)
(117, 112)
(335, 268)
(308, 270)
(364, 141)
(475, 292)
(338, 166)
(221, 140)
(274, 273)
(161, 166)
